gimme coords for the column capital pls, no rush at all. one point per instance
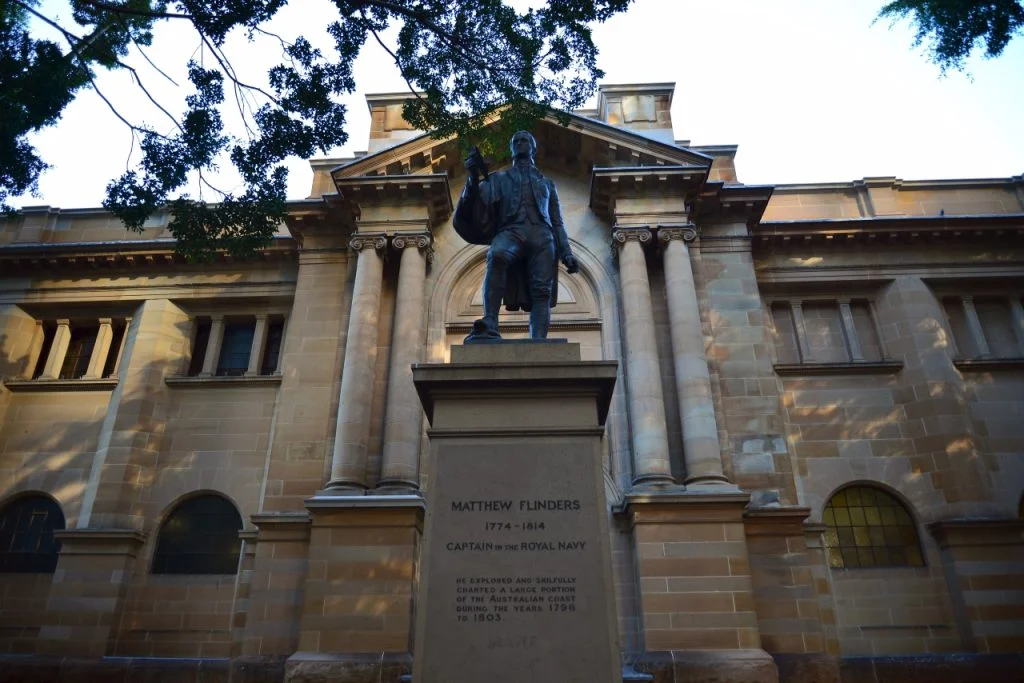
(105, 321)
(641, 234)
(377, 241)
(421, 240)
(63, 322)
(684, 233)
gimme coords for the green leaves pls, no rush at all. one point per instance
(472, 61)
(954, 28)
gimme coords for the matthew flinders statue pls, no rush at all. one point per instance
(516, 212)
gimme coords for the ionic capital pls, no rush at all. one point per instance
(684, 233)
(420, 240)
(620, 236)
(360, 242)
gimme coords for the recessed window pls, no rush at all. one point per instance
(825, 331)
(272, 351)
(985, 327)
(200, 536)
(235, 349)
(867, 527)
(27, 544)
(76, 360)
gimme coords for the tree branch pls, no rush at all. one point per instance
(118, 9)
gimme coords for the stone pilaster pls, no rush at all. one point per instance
(88, 591)
(279, 570)
(984, 561)
(696, 590)
(259, 342)
(358, 594)
(348, 461)
(58, 350)
(100, 350)
(403, 421)
(213, 343)
(130, 436)
(701, 450)
(651, 463)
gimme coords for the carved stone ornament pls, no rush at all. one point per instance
(685, 233)
(360, 242)
(622, 235)
(421, 240)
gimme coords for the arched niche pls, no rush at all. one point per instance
(577, 317)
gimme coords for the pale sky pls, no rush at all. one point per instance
(809, 90)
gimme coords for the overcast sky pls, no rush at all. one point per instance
(810, 90)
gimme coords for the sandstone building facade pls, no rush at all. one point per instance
(814, 456)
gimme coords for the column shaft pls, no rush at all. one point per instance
(974, 327)
(850, 331)
(403, 415)
(1018, 323)
(100, 350)
(802, 343)
(651, 463)
(348, 460)
(213, 343)
(259, 341)
(58, 349)
(701, 449)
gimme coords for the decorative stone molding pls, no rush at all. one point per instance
(223, 381)
(883, 367)
(104, 384)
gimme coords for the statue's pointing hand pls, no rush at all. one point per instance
(475, 164)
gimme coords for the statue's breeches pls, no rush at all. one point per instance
(535, 245)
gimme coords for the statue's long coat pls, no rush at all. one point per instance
(485, 210)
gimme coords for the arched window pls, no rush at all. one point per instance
(27, 544)
(200, 536)
(867, 527)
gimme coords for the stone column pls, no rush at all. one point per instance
(35, 347)
(1017, 308)
(975, 328)
(100, 350)
(348, 461)
(701, 450)
(213, 346)
(643, 377)
(58, 349)
(403, 416)
(259, 341)
(850, 331)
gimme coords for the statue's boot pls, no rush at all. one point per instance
(540, 319)
(486, 328)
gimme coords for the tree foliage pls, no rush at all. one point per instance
(952, 29)
(466, 59)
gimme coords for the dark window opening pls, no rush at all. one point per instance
(199, 537)
(867, 527)
(27, 544)
(235, 349)
(120, 329)
(199, 342)
(76, 360)
(49, 330)
(272, 351)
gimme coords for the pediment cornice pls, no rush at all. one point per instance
(581, 145)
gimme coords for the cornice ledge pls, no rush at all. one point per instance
(679, 497)
(986, 364)
(37, 385)
(365, 502)
(242, 381)
(883, 367)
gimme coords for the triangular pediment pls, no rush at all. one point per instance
(576, 149)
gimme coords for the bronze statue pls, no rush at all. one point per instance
(516, 212)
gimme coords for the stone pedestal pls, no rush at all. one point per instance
(515, 582)
(696, 588)
(357, 607)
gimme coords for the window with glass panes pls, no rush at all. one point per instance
(199, 537)
(235, 349)
(27, 544)
(867, 527)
